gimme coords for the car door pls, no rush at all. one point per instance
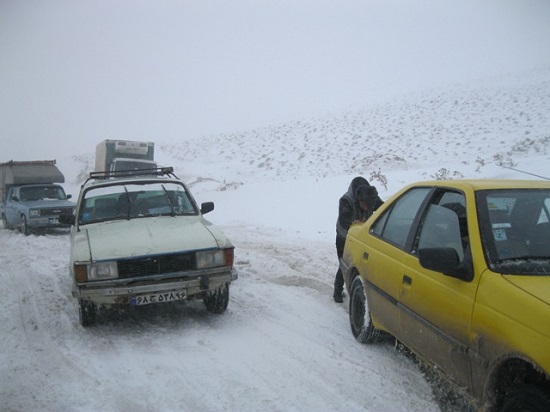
(383, 254)
(10, 210)
(435, 309)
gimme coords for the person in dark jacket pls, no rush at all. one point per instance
(356, 205)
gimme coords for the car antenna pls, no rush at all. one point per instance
(523, 171)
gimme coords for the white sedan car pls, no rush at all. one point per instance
(138, 240)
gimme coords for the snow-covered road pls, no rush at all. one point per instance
(282, 345)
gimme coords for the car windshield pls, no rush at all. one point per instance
(515, 229)
(42, 193)
(136, 200)
(133, 167)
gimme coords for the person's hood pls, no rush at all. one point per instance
(355, 183)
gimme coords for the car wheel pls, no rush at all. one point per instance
(359, 315)
(86, 312)
(23, 227)
(5, 222)
(217, 301)
(527, 398)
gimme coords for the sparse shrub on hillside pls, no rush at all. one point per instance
(380, 178)
(446, 174)
(230, 186)
(88, 164)
(528, 144)
(500, 160)
(480, 163)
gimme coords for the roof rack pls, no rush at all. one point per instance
(155, 171)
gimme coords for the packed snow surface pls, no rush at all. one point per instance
(283, 344)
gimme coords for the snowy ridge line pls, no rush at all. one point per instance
(475, 124)
(506, 118)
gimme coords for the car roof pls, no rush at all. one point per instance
(159, 174)
(128, 180)
(486, 184)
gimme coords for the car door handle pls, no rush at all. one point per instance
(407, 280)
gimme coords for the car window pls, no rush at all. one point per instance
(441, 228)
(445, 223)
(394, 224)
(515, 230)
(134, 201)
(42, 193)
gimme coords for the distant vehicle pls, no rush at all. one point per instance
(139, 240)
(459, 272)
(31, 199)
(125, 155)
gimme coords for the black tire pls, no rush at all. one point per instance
(527, 398)
(359, 315)
(86, 312)
(5, 222)
(23, 227)
(217, 301)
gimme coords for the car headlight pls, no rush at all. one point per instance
(34, 212)
(210, 259)
(102, 270)
(95, 271)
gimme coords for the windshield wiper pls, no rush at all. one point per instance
(128, 205)
(169, 201)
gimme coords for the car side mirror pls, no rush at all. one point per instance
(15, 198)
(446, 261)
(69, 196)
(207, 207)
(67, 219)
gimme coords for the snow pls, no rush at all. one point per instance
(269, 109)
(283, 344)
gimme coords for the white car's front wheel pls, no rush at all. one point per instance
(217, 301)
(86, 312)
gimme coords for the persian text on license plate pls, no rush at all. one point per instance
(157, 298)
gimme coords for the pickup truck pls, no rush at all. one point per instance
(31, 199)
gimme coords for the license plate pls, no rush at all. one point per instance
(54, 221)
(157, 298)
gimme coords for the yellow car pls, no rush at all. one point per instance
(459, 272)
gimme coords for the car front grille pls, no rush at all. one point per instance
(156, 265)
(56, 211)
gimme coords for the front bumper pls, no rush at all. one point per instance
(121, 294)
(45, 222)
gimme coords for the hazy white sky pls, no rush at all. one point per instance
(73, 73)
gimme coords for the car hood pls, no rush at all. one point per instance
(537, 286)
(145, 236)
(48, 203)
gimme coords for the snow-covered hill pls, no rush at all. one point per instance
(474, 124)
(283, 344)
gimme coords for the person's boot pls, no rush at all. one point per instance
(338, 287)
(337, 295)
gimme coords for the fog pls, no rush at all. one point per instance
(74, 73)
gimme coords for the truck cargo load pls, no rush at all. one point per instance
(28, 172)
(31, 198)
(117, 155)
